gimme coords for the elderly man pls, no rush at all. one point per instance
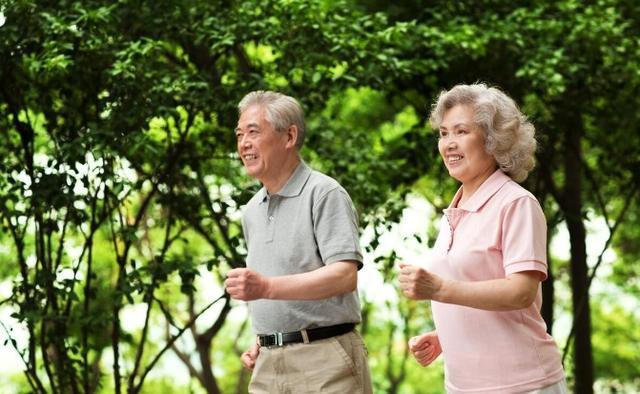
(303, 257)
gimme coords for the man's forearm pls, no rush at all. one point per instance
(334, 279)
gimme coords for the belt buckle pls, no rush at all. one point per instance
(278, 338)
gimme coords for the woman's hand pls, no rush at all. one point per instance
(419, 284)
(425, 348)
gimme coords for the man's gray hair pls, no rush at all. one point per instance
(509, 135)
(281, 110)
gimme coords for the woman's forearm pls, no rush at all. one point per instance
(517, 291)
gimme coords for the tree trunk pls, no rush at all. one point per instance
(208, 380)
(579, 271)
(548, 295)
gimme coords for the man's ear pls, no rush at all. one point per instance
(292, 136)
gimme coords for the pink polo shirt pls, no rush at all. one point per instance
(500, 230)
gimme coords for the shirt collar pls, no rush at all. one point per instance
(488, 188)
(294, 185)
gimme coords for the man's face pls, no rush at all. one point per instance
(261, 148)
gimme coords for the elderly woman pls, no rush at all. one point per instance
(490, 256)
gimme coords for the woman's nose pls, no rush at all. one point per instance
(451, 143)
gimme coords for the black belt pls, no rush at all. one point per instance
(313, 334)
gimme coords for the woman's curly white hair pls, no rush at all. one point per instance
(509, 136)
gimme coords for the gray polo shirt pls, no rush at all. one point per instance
(309, 223)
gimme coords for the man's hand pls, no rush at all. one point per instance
(419, 284)
(246, 285)
(425, 348)
(249, 357)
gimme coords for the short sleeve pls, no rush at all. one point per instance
(524, 237)
(335, 226)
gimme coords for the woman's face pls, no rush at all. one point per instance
(462, 147)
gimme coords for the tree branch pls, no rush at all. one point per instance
(170, 343)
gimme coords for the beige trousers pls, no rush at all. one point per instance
(334, 365)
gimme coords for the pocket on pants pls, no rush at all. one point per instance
(354, 351)
(344, 347)
(329, 369)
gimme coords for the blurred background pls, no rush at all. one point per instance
(120, 188)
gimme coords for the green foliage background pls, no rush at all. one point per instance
(120, 187)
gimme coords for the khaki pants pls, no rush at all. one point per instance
(334, 365)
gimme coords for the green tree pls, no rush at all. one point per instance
(117, 121)
(119, 142)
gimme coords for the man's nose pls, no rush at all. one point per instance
(243, 141)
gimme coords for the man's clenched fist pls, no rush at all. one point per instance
(246, 285)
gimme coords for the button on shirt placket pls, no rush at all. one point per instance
(272, 205)
(450, 234)
(453, 215)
